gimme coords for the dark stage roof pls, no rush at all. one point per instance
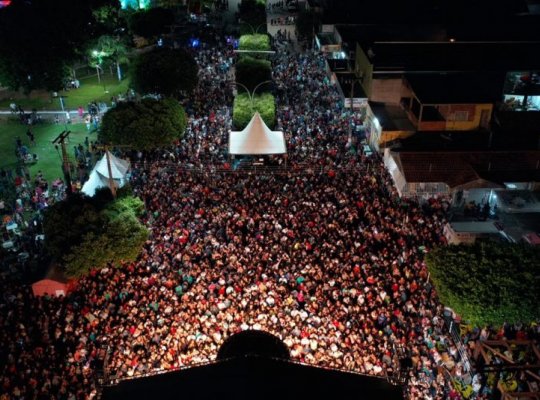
(251, 373)
(253, 377)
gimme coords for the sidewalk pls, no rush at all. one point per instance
(287, 29)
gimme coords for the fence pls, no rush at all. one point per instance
(453, 329)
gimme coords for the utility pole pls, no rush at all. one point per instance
(61, 139)
(112, 183)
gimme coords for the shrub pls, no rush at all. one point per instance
(263, 103)
(488, 283)
(257, 42)
(251, 71)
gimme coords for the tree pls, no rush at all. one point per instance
(109, 49)
(488, 283)
(144, 125)
(84, 233)
(243, 110)
(251, 71)
(253, 14)
(120, 240)
(38, 42)
(169, 72)
(67, 222)
(151, 22)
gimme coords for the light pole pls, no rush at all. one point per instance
(254, 31)
(98, 55)
(251, 94)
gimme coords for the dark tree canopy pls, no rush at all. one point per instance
(169, 72)
(84, 233)
(488, 283)
(151, 22)
(252, 12)
(144, 125)
(251, 71)
(38, 41)
(67, 222)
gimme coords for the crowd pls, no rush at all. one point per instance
(326, 257)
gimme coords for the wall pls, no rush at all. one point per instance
(388, 136)
(474, 111)
(431, 126)
(364, 69)
(389, 91)
(449, 112)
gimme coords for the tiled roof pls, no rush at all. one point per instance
(460, 168)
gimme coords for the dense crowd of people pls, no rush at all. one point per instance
(325, 256)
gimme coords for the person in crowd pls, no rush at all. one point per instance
(324, 255)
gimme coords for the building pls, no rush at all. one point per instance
(470, 232)
(445, 173)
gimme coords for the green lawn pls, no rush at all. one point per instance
(50, 162)
(89, 90)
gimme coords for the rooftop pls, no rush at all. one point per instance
(454, 56)
(457, 88)
(460, 168)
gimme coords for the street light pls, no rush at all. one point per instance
(98, 55)
(254, 31)
(251, 94)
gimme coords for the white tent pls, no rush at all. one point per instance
(99, 177)
(256, 139)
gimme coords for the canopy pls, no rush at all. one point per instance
(257, 139)
(99, 177)
(50, 287)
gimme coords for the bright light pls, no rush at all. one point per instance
(95, 53)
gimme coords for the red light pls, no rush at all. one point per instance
(4, 3)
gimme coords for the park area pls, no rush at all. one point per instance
(89, 90)
(49, 158)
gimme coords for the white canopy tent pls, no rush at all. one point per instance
(99, 177)
(256, 139)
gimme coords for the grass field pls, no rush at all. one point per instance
(50, 162)
(89, 90)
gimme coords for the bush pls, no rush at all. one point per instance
(251, 71)
(488, 283)
(257, 42)
(263, 103)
